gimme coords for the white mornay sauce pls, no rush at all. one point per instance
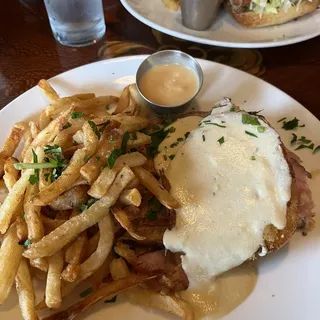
(229, 192)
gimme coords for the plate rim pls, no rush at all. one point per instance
(187, 37)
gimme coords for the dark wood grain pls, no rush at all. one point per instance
(29, 52)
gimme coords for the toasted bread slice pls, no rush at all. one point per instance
(255, 20)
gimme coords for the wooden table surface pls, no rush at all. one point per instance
(28, 52)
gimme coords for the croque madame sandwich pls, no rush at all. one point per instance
(262, 13)
(242, 195)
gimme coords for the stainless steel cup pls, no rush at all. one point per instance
(169, 57)
(199, 14)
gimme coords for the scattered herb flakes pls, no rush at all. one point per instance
(294, 138)
(206, 121)
(174, 144)
(67, 125)
(87, 292)
(107, 107)
(282, 119)
(47, 176)
(291, 124)
(152, 215)
(156, 139)
(248, 119)
(103, 126)
(115, 154)
(316, 149)
(221, 140)
(172, 129)
(233, 108)
(124, 142)
(112, 300)
(171, 157)
(180, 139)
(52, 149)
(253, 158)
(133, 136)
(86, 158)
(97, 158)
(76, 115)
(302, 126)
(94, 128)
(27, 243)
(165, 158)
(203, 138)
(23, 215)
(186, 135)
(216, 124)
(261, 129)
(304, 146)
(251, 134)
(304, 140)
(84, 207)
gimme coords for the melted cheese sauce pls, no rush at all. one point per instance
(169, 84)
(229, 192)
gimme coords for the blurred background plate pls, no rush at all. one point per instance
(225, 31)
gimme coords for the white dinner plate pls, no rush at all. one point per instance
(225, 32)
(288, 280)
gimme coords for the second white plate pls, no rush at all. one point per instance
(225, 32)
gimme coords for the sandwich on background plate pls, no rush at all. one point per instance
(262, 13)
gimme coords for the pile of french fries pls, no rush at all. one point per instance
(73, 196)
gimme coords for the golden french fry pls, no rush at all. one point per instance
(130, 197)
(61, 105)
(47, 134)
(92, 245)
(153, 185)
(71, 228)
(34, 129)
(51, 224)
(133, 159)
(71, 272)
(22, 229)
(32, 214)
(102, 101)
(107, 291)
(27, 137)
(72, 172)
(124, 251)
(141, 140)
(11, 174)
(40, 263)
(44, 120)
(119, 269)
(91, 170)
(25, 291)
(53, 286)
(123, 101)
(50, 93)
(84, 96)
(10, 146)
(155, 300)
(70, 199)
(122, 217)
(12, 201)
(10, 257)
(94, 262)
(133, 184)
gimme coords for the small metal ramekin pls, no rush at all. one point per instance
(199, 14)
(169, 57)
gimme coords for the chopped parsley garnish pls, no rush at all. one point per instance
(174, 144)
(291, 124)
(216, 124)
(34, 178)
(115, 154)
(97, 158)
(124, 142)
(67, 125)
(23, 215)
(52, 149)
(251, 134)
(304, 146)
(294, 138)
(221, 140)
(86, 158)
(304, 140)
(186, 135)
(87, 292)
(261, 129)
(248, 119)
(253, 158)
(172, 129)
(171, 157)
(27, 243)
(84, 207)
(156, 139)
(316, 149)
(112, 300)
(103, 126)
(203, 138)
(233, 108)
(165, 158)
(282, 119)
(107, 107)
(180, 139)
(76, 115)
(94, 128)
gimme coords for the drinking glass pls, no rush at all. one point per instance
(76, 23)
